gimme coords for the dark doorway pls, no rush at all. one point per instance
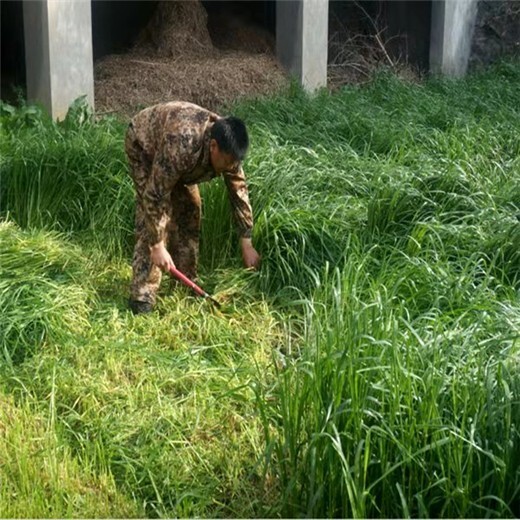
(408, 30)
(260, 13)
(117, 24)
(367, 34)
(242, 25)
(13, 80)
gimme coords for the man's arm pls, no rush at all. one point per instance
(250, 256)
(169, 163)
(243, 215)
(156, 196)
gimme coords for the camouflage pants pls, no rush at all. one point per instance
(183, 227)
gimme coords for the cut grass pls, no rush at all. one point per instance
(164, 404)
(369, 369)
(44, 295)
(40, 478)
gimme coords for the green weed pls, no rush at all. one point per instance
(369, 369)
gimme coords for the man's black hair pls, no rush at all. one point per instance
(230, 133)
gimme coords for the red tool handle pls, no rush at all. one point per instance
(186, 281)
(192, 285)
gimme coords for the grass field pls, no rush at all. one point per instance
(371, 368)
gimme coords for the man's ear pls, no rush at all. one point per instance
(213, 146)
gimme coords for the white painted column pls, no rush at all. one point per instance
(302, 40)
(58, 53)
(453, 22)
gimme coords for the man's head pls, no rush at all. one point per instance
(229, 143)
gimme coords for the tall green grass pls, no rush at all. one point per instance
(369, 369)
(387, 412)
(68, 176)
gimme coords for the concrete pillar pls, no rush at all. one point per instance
(58, 53)
(302, 40)
(453, 22)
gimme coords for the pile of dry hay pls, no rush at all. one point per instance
(174, 59)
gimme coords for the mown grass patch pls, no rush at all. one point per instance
(43, 293)
(164, 404)
(40, 477)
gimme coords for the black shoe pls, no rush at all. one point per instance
(138, 307)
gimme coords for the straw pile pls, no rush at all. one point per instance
(175, 58)
(232, 33)
(177, 28)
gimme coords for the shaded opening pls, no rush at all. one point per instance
(116, 24)
(13, 84)
(365, 35)
(230, 14)
(207, 52)
(408, 31)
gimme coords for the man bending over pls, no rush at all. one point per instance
(171, 148)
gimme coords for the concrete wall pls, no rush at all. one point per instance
(302, 40)
(37, 52)
(58, 53)
(453, 22)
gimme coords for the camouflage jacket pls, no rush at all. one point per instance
(175, 139)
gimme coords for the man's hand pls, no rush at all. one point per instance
(160, 256)
(249, 254)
